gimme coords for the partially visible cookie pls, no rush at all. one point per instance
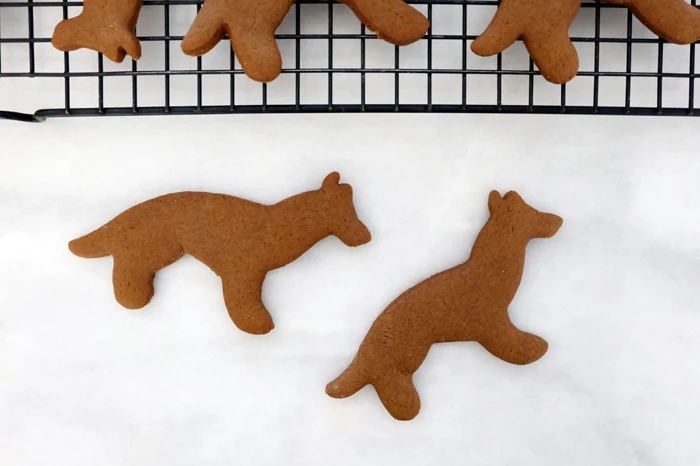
(543, 25)
(674, 20)
(468, 302)
(106, 26)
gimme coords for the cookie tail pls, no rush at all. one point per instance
(348, 383)
(89, 246)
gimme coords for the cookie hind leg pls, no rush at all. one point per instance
(257, 52)
(351, 381)
(243, 297)
(554, 54)
(135, 269)
(398, 395)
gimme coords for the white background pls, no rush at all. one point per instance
(615, 292)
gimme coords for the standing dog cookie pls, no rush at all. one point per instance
(238, 239)
(251, 26)
(468, 302)
(106, 26)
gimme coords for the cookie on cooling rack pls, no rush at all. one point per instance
(543, 25)
(251, 25)
(674, 20)
(106, 26)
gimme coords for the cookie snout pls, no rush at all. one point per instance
(549, 225)
(357, 235)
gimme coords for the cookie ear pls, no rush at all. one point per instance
(512, 196)
(330, 181)
(495, 201)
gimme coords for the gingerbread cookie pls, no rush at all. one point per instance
(251, 26)
(238, 239)
(468, 302)
(106, 26)
(543, 25)
(674, 20)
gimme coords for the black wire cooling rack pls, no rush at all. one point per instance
(331, 63)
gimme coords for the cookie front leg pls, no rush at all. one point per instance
(544, 27)
(251, 25)
(135, 268)
(554, 54)
(243, 297)
(398, 395)
(392, 20)
(106, 26)
(512, 345)
(674, 20)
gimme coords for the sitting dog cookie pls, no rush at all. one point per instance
(674, 20)
(238, 239)
(543, 25)
(106, 26)
(468, 302)
(251, 26)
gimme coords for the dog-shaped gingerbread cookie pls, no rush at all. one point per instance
(238, 239)
(468, 302)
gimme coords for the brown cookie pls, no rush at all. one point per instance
(468, 302)
(106, 26)
(543, 25)
(674, 20)
(251, 25)
(238, 239)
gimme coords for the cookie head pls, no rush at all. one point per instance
(344, 222)
(528, 221)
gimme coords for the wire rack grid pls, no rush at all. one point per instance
(331, 63)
